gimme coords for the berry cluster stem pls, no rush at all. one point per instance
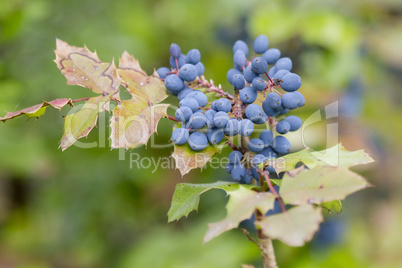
(203, 82)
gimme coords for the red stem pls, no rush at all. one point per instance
(172, 118)
(234, 147)
(272, 189)
(82, 99)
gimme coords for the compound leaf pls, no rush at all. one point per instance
(83, 67)
(37, 110)
(295, 227)
(82, 119)
(242, 204)
(187, 196)
(321, 184)
(335, 156)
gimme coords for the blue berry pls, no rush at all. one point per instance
(174, 83)
(249, 75)
(200, 68)
(200, 97)
(269, 153)
(221, 119)
(229, 168)
(268, 110)
(238, 81)
(284, 63)
(183, 114)
(254, 173)
(232, 127)
(215, 135)
(258, 84)
(261, 120)
(239, 58)
(197, 120)
(240, 45)
(174, 50)
(231, 73)
(193, 56)
(209, 115)
(162, 72)
(188, 72)
(198, 141)
(282, 127)
(238, 172)
(180, 136)
(272, 71)
(248, 95)
(258, 159)
(281, 73)
(180, 61)
(289, 100)
(223, 105)
(253, 112)
(300, 96)
(281, 145)
(291, 82)
(214, 105)
(235, 157)
(273, 100)
(294, 121)
(190, 103)
(247, 127)
(183, 93)
(259, 65)
(271, 55)
(261, 44)
(266, 136)
(256, 145)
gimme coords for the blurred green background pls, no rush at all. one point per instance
(87, 208)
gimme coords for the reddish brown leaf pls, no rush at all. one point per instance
(37, 110)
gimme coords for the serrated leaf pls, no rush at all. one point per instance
(321, 184)
(83, 67)
(295, 227)
(335, 156)
(187, 196)
(332, 206)
(134, 121)
(150, 89)
(37, 110)
(187, 159)
(82, 119)
(242, 204)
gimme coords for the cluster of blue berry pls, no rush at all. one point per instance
(204, 122)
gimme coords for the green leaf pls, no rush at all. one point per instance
(335, 156)
(242, 204)
(81, 120)
(332, 206)
(276, 182)
(295, 227)
(83, 67)
(187, 159)
(321, 184)
(187, 196)
(37, 110)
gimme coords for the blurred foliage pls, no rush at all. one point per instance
(87, 208)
